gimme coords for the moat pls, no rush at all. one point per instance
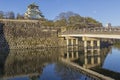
(46, 64)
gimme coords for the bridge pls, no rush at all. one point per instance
(90, 36)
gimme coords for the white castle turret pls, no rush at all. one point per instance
(33, 12)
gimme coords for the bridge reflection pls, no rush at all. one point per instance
(31, 63)
(86, 57)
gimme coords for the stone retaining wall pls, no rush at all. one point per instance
(28, 34)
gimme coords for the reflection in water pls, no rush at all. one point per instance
(38, 65)
(102, 60)
(28, 62)
(87, 58)
(113, 59)
(67, 73)
(46, 65)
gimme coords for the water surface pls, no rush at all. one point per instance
(45, 64)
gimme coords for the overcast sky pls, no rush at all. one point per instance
(104, 11)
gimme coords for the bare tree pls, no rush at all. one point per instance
(1, 14)
(10, 15)
(19, 16)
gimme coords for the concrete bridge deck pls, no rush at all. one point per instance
(113, 33)
(90, 36)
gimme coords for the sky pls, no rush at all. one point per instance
(104, 11)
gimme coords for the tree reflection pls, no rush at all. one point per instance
(28, 62)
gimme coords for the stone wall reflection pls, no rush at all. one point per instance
(28, 62)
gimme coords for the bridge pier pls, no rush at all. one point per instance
(87, 42)
(98, 43)
(67, 41)
(92, 41)
(76, 41)
(72, 41)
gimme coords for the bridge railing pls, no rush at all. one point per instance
(94, 30)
